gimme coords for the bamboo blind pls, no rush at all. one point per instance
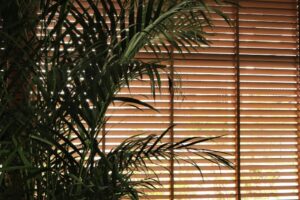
(244, 86)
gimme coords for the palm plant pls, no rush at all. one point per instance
(62, 64)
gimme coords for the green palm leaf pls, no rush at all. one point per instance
(72, 57)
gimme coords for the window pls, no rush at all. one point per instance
(245, 87)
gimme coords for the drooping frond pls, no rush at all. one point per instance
(66, 60)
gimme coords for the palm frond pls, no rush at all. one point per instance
(71, 58)
(135, 154)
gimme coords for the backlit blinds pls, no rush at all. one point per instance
(245, 86)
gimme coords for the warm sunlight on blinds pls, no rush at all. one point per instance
(269, 82)
(245, 86)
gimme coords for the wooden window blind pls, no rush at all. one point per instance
(269, 102)
(245, 86)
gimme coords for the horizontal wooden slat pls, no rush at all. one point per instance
(205, 105)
